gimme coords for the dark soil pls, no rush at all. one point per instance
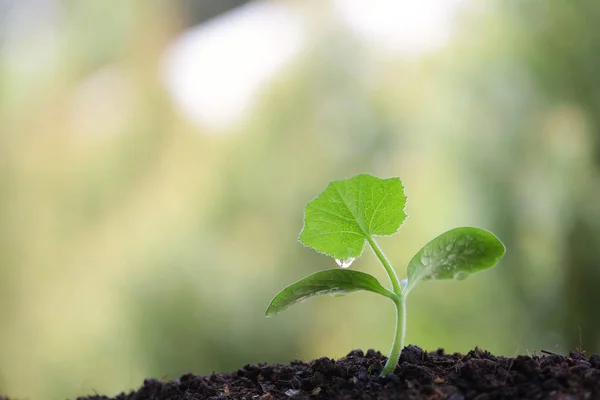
(418, 375)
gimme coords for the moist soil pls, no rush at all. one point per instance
(418, 375)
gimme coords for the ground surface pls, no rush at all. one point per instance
(419, 375)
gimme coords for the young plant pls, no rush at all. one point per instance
(348, 214)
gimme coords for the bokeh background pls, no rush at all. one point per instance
(156, 157)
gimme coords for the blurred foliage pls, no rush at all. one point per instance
(134, 244)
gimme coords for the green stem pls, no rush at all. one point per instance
(400, 303)
(386, 264)
(399, 336)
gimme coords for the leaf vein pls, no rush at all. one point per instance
(377, 208)
(332, 213)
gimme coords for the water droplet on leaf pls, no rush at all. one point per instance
(424, 260)
(450, 246)
(344, 262)
(461, 275)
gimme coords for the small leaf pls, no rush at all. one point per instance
(339, 220)
(336, 282)
(455, 254)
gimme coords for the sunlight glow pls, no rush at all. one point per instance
(215, 71)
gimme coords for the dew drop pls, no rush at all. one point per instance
(450, 246)
(461, 275)
(344, 262)
(424, 260)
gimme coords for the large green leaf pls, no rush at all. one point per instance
(455, 254)
(332, 281)
(339, 220)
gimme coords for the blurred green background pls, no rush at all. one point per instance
(149, 206)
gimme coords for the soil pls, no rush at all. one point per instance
(418, 375)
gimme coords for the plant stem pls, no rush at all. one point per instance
(400, 303)
(399, 336)
(386, 264)
(403, 304)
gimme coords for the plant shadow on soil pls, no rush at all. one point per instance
(418, 375)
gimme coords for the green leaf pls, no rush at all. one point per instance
(337, 282)
(455, 254)
(339, 220)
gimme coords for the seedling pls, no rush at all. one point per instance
(348, 214)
